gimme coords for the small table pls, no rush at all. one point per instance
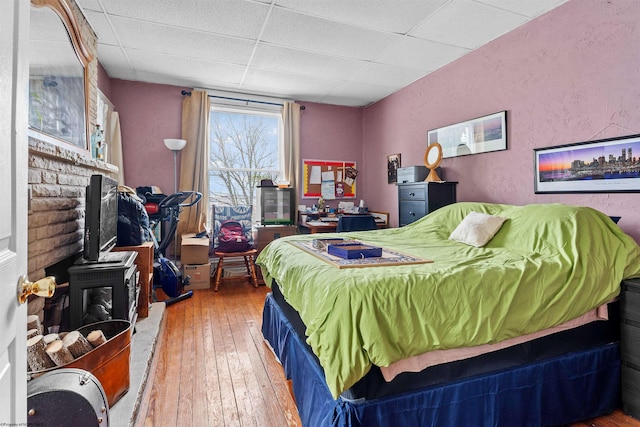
(318, 226)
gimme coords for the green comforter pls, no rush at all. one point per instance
(547, 264)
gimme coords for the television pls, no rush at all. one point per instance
(101, 218)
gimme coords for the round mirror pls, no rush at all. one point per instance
(432, 159)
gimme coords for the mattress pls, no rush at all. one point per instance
(374, 386)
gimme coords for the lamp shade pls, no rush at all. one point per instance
(175, 144)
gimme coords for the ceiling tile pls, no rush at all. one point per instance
(381, 15)
(239, 18)
(279, 58)
(387, 75)
(101, 26)
(425, 55)
(288, 85)
(178, 41)
(467, 24)
(183, 66)
(112, 58)
(530, 9)
(370, 93)
(305, 32)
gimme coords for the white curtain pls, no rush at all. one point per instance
(115, 144)
(194, 160)
(109, 121)
(291, 124)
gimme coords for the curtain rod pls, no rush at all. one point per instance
(187, 93)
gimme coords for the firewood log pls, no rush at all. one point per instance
(32, 333)
(76, 343)
(33, 322)
(37, 357)
(96, 338)
(49, 338)
(59, 353)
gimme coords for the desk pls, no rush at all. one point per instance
(313, 227)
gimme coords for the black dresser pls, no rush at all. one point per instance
(630, 346)
(416, 199)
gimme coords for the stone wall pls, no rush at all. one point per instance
(58, 175)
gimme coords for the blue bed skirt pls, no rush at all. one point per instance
(556, 391)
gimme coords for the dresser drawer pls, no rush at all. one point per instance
(630, 302)
(630, 344)
(630, 383)
(411, 211)
(412, 192)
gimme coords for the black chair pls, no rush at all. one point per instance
(356, 223)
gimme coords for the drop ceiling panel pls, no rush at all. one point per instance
(178, 41)
(530, 9)
(393, 76)
(102, 28)
(467, 24)
(411, 52)
(304, 62)
(363, 91)
(238, 18)
(377, 15)
(291, 85)
(305, 32)
(171, 65)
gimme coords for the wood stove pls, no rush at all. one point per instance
(103, 291)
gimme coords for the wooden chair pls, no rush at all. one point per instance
(242, 214)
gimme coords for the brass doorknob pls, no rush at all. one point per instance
(43, 288)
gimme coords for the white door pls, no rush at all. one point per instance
(14, 72)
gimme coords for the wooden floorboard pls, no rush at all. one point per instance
(212, 367)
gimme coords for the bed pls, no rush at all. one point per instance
(356, 340)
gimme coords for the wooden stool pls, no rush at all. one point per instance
(249, 262)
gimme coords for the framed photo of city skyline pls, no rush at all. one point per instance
(606, 165)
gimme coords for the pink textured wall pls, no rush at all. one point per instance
(331, 132)
(149, 113)
(104, 81)
(571, 75)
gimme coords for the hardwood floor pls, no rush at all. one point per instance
(212, 367)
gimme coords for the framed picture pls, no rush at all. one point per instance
(605, 165)
(393, 163)
(481, 135)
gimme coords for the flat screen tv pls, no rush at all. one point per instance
(101, 217)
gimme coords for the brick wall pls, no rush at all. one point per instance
(58, 176)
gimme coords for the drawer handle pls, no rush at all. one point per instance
(412, 213)
(412, 194)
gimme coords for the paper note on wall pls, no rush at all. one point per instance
(315, 176)
(328, 188)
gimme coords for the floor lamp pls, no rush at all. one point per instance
(175, 145)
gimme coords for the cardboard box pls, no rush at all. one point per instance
(194, 250)
(199, 276)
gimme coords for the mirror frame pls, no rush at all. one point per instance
(63, 9)
(434, 147)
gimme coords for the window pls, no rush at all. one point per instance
(245, 148)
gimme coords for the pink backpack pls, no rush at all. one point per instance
(231, 237)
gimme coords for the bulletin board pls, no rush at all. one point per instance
(330, 179)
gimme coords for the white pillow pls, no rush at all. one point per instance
(476, 229)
